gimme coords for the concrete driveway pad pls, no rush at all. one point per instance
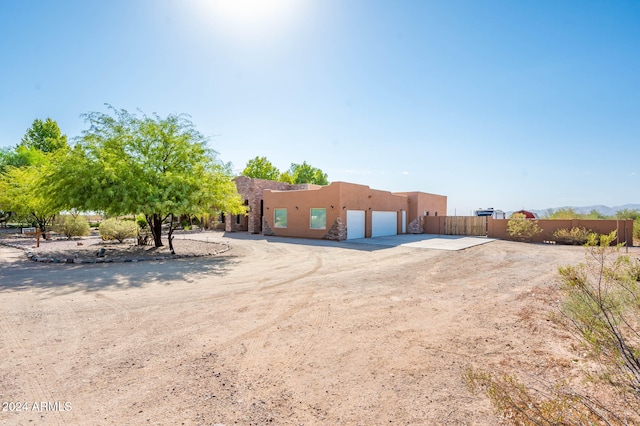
(425, 241)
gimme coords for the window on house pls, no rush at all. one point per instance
(280, 218)
(318, 218)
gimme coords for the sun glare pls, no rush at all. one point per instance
(249, 19)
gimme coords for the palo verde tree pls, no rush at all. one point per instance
(21, 193)
(21, 170)
(261, 168)
(159, 167)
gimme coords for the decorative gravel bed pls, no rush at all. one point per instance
(87, 249)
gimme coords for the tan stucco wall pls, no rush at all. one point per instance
(361, 197)
(420, 202)
(251, 190)
(336, 198)
(299, 204)
(497, 228)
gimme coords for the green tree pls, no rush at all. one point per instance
(521, 228)
(594, 214)
(566, 213)
(159, 167)
(45, 136)
(21, 169)
(304, 173)
(9, 158)
(628, 214)
(261, 168)
(21, 193)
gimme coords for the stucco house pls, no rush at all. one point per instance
(251, 190)
(338, 211)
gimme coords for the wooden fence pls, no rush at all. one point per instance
(465, 225)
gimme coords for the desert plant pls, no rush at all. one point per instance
(601, 304)
(522, 229)
(116, 229)
(71, 226)
(601, 308)
(577, 235)
(545, 404)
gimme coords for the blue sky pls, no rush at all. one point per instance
(504, 104)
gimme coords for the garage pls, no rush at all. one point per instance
(355, 224)
(384, 223)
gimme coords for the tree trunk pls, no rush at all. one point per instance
(42, 224)
(155, 224)
(170, 236)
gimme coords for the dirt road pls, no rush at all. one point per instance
(273, 332)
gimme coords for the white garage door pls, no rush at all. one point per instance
(384, 223)
(355, 224)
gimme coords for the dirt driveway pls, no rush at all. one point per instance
(273, 332)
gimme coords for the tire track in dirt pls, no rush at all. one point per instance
(315, 269)
(37, 391)
(255, 340)
(296, 354)
(118, 308)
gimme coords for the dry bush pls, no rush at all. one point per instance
(116, 229)
(601, 308)
(575, 236)
(71, 226)
(522, 229)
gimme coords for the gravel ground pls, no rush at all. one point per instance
(282, 331)
(85, 249)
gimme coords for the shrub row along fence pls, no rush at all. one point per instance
(497, 228)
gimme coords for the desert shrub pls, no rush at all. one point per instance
(71, 226)
(600, 308)
(116, 229)
(543, 404)
(575, 236)
(601, 304)
(522, 229)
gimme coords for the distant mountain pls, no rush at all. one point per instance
(604, 210)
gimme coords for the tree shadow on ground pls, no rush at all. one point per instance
(69, 278)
